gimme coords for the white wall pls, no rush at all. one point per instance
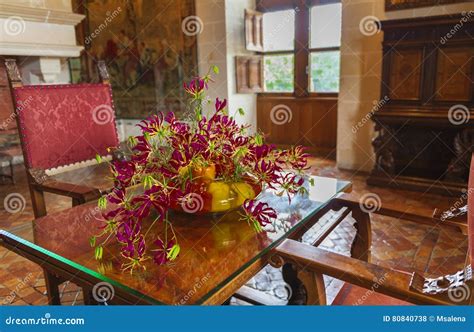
(361, 60)
(236, 46)
(212, 45)
(221, 39)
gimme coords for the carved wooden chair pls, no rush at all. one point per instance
(62, 128)
(305, 266)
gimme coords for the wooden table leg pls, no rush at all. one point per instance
(52, 287)
(363, 239)
(87, 295)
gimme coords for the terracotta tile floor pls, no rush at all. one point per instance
(395, 242)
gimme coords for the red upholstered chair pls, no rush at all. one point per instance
(62, 128)
(374, 284)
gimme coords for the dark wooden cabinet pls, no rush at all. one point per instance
(425, 133)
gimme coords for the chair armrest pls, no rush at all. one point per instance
(41, 181)
(385, 211)
(69, 189)
(370, 276)
(452, 217)
(459, 222)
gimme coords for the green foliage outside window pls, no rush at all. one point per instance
(278, 73)
(325, 71)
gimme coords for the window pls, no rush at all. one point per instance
(325, 43)
(278, 47)
(306, 38)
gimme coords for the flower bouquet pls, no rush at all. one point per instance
(208, 164)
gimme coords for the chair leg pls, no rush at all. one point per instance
(314, 284)
(11, 172)
(362, 242)
(307, 287)
(52, 287)
(77, 201)
(39, 205)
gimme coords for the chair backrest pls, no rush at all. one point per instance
(63, 124)
(470, 211)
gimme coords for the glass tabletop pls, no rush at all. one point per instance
(215, 249)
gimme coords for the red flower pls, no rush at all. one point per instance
(161, 252)
(196, 86)
(220, 104)
(154, 197)
(259, 214)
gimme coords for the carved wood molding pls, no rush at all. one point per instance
(384, 149)
(249, 74)
(38, 175)
(13, 73)
(458, 168)
(455, 288)
(103, 72)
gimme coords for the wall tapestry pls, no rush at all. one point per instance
(148, 52)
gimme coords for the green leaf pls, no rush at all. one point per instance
(92, 241)
(258, 139)
(98, 158)
(258, 228)
(215, 69)
(241, 111)
(146, 135)
(240, 152)
(102, 202)
(174, 252)
(98, 252)
(311, 181)
(132, 141)
(148, 181)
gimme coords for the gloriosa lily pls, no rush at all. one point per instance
(164, 161)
